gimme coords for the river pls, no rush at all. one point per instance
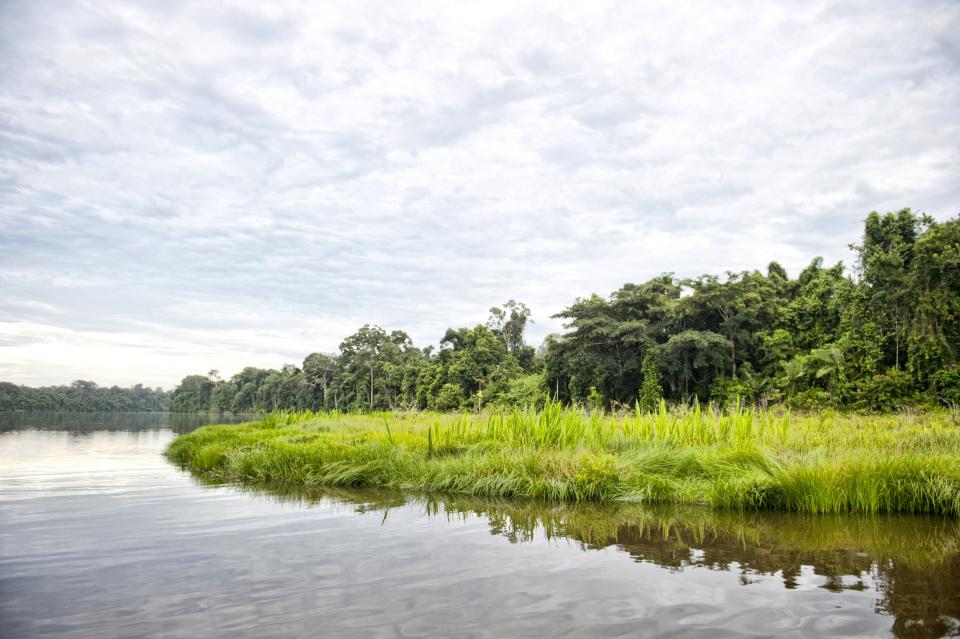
(101, 537)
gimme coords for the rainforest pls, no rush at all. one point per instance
(880, 337)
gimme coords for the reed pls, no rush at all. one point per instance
(740, 459)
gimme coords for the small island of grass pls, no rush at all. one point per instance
(737, 459)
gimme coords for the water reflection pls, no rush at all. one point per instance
(912, 564)
(92, 422)
(101, 537)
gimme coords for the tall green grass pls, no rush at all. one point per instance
(741, 459)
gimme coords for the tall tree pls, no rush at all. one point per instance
(885, 261)
(320, 370)
(691, 359)
(509, 323)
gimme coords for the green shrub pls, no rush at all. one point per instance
(886, 392)
(810, 399)
(450, 397)
(947, 383)
(728, 391)
(528, 391)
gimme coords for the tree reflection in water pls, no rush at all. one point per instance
(911, 563)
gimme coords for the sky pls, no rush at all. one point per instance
(189, 186)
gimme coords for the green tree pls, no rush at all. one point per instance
(794, 374)
(608, 338)
(475, 360)
(320, 370)
(449, 397)
(934, 321)
(691, 359)
(192, 394)
(526, 391)
(374, 366)
(509, 323)
(885, 261)
(828, 363)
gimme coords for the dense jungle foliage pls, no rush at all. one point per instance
(879, 338)
(883, 337)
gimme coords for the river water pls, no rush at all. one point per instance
(101, 537)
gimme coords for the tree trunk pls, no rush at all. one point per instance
(733, 355)
(896, 336)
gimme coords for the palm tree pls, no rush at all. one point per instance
(830, 361)
(794, 371)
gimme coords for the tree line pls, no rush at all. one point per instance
(379, 370)
(84, 396)
(882, 336)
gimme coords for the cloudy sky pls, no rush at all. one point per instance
(187, 186)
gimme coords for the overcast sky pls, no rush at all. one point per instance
(197, 185)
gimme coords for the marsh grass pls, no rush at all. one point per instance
(740, 459)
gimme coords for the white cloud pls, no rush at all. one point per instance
(187, 186)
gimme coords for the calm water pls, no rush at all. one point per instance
(101, 537)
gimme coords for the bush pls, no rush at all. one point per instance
(810, 399)
(528, 390)
(728, 391)
(947, 383)
(885, 392)
(450, 397)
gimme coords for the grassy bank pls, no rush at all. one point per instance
(746, 460)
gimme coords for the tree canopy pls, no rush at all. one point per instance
(380, 370)
(885, 336)
(83, 396)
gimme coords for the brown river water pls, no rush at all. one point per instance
(101, 537)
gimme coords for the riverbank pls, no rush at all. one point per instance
(746, 460)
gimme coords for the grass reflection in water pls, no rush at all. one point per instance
(912, 563)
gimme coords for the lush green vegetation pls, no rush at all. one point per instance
(83, 396)
(881, 338)
(740, 459)
(376, 370)
(886, 338)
